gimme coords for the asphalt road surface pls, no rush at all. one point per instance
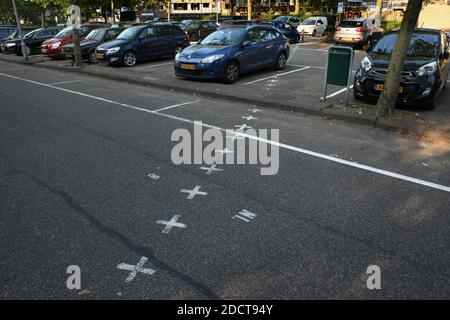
(87, 179)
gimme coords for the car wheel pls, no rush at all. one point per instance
(231, 73)
(314, 33)
(92, 58)
(433, 101)
(280, 64)
(28, 50)
(129, 59)
(178, 49)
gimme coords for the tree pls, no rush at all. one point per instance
(297, 7)
(388, 97)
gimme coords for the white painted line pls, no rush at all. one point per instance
(172, 223)
(303, 66)
(338, 92)
(176, 105)
(231, 132)
(275, 76)
(242, 127)
(134, 269)
(245, 215)
(249, 118)
(211, 169)
(63, 82)
(154, 65)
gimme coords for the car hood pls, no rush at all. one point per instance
(411, 63)
(201, 51)
(307, 26)
(115, 43)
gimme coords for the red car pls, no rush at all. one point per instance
(52, 47)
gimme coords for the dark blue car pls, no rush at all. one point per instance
(229, 52)
(288, 30)
(143, 42)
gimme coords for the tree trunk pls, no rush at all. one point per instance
(113, 13)
(43, 18)
(249, 9)
(388, 97)
(297, 7)
(378, 8)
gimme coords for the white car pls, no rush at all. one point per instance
(314, 26)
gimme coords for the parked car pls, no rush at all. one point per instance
(356, 32)
(95, 38)
(52, 47)
(314, 26)
(33, 40)
(199, 29)
(143, 43)
(13, 35)
(228, 23)
(288, 30)
(231, 51)
(5, 31)
(293, 20)
(425, 70)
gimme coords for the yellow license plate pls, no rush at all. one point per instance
(44, 50)
(188, 66)
(348, 39)
(99, 56)
(379, 87)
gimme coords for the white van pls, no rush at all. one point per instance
(314, 26)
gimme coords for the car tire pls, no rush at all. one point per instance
(231, 72)
(28, 50)
(314, 33)
(91, 57)
(129, 59)
(280, 63)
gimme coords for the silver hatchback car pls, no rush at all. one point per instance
(355, 31)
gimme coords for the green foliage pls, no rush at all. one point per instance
(389, 25)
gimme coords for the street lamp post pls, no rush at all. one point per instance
(22, 43)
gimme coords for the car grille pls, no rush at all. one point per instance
(383, 72)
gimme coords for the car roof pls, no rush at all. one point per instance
(355, 19)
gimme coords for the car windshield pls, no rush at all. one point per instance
(129, 34)
(223, 37)
(64, 33)
(309, 22)
(192, 24)
(4, 32)
(32, 33)
(421, 45)
(351, 24)
(96, 35)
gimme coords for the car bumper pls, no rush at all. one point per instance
(417, 93)
(6, 49)
(51, 53)
(348, 40)
(198, 70)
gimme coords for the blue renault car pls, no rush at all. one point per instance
(141, 43)
(231, 51)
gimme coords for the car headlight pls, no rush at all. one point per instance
(9, 45)
(366, 63)
(56, 45)
(112, 50)
(177, 56)
(427, 69)
(213, 58)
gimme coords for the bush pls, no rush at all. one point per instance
(389, 25)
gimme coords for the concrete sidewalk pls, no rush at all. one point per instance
(298, 88)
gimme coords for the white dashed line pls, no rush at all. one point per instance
(176, 105)
(275, 76)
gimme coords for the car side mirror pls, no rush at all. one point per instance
(247, 43)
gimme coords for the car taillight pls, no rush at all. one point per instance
(338, 29)
(360, 30)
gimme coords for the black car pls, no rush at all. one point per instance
(424, 73)
(95, 38)
(13, 35)
(199, 29)
(32, 40)
(143, 43)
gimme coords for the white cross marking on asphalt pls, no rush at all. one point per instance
(242, 127)
(254, 110)
(211, 169)
(245, 215)
(250, 118)
(172, 223)
(135, 269)
(153, 176)
(224, 151)
(194, 192)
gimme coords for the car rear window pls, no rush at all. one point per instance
(421, 45)
(351, 24)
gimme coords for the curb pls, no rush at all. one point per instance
(322, 112)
